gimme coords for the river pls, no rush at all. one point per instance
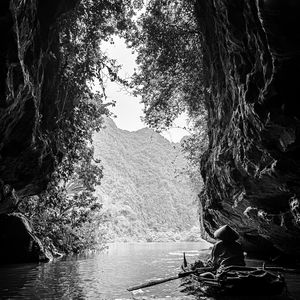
(108, 274)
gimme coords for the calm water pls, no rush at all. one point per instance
(104, 275)
(107, 275)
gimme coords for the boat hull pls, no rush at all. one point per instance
(253, 282)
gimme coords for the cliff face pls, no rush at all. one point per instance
(29, 67)
(28, 96)
(145, 194)
(251, 62)
(252, 167)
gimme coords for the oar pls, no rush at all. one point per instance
(159, 281)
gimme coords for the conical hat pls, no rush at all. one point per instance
(226, 233)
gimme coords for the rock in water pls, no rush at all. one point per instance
(18, 243)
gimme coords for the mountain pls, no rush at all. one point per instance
(144, 193)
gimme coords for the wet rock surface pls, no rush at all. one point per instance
(18, 243)
(29, 101)
(251, 169)
(29, 109)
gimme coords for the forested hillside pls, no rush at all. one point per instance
(145, 194)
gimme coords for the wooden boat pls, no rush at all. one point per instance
(236, 281)
(233, 282)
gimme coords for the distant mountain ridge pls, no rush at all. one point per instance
(143, 192)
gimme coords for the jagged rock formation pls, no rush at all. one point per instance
(145, 192)
(28, 92)
(28, 96)
(251, 63)
(252, 168)
(18, 243)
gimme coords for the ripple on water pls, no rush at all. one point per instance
(180, 254)
(102, 275)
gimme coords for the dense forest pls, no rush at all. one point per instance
(146, 190)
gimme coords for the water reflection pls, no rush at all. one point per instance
(100, 276)
(108, 275)
(13, 278)
(59, 280)
(293, 284)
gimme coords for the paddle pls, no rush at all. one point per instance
(207, 280)
(159, 281)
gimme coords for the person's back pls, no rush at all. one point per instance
(227, 253)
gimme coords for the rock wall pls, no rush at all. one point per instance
(29, 99)
(252, 168)
(28, 92)
(18, 243)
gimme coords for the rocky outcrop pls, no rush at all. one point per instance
(18, 243)
(8, 198)
(28, 92)
(29, 105)
(251, 169)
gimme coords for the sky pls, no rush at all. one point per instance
(128, 109)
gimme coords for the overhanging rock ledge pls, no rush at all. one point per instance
(251, 169)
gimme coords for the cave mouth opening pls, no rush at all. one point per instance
(127, 110)
(50, 113)
(128, 113)
(49, 171)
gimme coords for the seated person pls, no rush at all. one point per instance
(227, 252)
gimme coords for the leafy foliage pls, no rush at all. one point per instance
(170, 62)
(169, 80)
(67, 215)
(170, 74)
(69, 224)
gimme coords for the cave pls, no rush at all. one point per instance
(251, 170)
